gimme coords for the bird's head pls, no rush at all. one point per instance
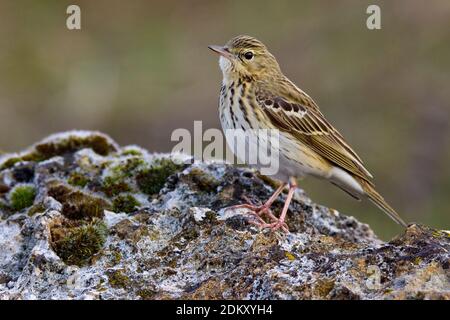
(245, 56)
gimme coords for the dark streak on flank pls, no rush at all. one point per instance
(244, 111)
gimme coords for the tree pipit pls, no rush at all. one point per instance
(255, 94)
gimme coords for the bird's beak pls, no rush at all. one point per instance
(223, 51)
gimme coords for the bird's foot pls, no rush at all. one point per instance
(256, 211)
(274, 226)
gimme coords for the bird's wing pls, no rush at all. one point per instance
(309, 125)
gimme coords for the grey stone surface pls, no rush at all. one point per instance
(104, 222)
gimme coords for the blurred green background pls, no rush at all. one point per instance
(140, 69)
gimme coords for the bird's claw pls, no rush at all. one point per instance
(272, 226)
(257, 211)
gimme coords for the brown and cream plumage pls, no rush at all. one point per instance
(255, 94)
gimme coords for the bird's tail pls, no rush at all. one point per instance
(379, 201)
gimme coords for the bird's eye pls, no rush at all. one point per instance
(248, 55)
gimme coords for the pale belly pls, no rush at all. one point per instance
(281, 158)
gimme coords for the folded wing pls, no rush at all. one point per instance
(308, 125)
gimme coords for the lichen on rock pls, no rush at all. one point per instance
(82, 218)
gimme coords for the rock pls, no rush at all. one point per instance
(106, 222)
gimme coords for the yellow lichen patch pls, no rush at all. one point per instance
(290, 256)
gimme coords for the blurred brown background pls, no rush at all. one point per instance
(139, 69)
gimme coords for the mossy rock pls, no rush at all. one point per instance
(128, 167)
(76, 203)
(76, 242)
(125, 203)
(100, 144)
(22, 196)
(59, 146)
(131, 151)
(152, 180)
(78, 179)
(37, 208)
(113, 186)
(118, 182)
(201, 180)
(10, 162)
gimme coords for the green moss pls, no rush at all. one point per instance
(128, 167)
(37, 208)
(201, 180)
(35, 157)
(125, 203)
(22, 197)
(78, 179)
(116, 183)
(76, 203)
(9, 163)
(151, 180)
(117, 279)
(98, 143)
(131, 152)
(113, 186)
(76, 242)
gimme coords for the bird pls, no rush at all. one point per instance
(254, 95)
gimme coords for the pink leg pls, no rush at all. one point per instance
(280, 223)
(258, 211)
